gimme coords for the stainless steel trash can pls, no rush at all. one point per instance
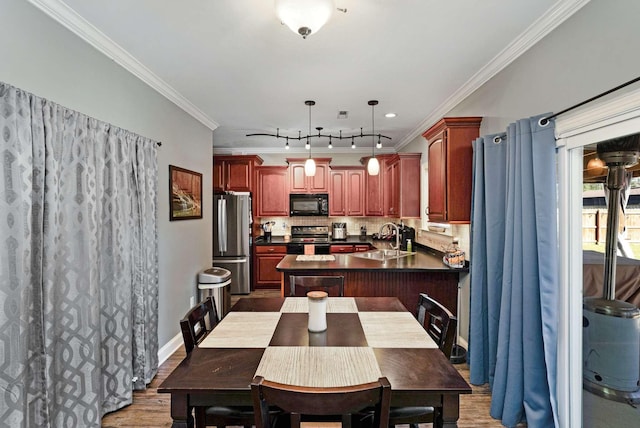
(216, 282)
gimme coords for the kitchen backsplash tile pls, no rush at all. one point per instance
(437, 241)
(283, 224)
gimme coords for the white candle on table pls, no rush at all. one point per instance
(317, 311)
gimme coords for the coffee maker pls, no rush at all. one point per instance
(406, 233)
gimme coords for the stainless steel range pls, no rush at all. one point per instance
(301, 236)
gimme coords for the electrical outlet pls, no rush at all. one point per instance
(192, 301)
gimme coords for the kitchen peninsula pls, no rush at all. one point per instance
(404, 277)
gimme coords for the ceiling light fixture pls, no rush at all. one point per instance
(319, 135)
(305, 17)
(390, 115)
(309, 164)
(373, 166)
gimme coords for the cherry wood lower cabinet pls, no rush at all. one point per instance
(349, 248)
(406, 286)
(341, 248)
(266, 259)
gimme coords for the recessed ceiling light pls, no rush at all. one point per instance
(390, 115)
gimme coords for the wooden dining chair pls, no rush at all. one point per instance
(310, 283)
(195, 326)
(309, 401)
(440, 324)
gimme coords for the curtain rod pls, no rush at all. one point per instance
(546, 120)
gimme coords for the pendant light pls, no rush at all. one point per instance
(309, 164)
(373, 166)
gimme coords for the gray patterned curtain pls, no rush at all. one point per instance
(78, 264)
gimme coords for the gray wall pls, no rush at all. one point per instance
(40, 56)
(593, 51)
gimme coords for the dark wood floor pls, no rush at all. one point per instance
(151, 409)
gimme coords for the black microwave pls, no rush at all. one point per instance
(316, 204)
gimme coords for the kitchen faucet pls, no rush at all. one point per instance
(397, 246)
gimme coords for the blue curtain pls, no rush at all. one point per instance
(514, 272)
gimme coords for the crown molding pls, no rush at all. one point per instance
(555, 16)
(63, 14)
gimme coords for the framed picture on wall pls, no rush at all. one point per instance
(185, 194)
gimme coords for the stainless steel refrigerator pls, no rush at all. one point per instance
(231, 238)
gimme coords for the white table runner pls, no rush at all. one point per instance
(243, 330)
(394, 330)
(319, 366)
(334, 305)
(315, 258)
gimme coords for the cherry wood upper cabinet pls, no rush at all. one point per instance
(337, 193)
(450, 168)
(272, 191)
(234, 172)
(402, 185)
(300, 183)
(374, 198)
(355, 192)
(391, 184)
(346, 191)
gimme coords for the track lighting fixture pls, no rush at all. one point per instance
(307, 138)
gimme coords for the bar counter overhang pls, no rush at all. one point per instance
(404, 277)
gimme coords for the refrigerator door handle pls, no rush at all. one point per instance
(222, 230)
(237, 261)
(244, 220)
(224, 226)
(219, 223)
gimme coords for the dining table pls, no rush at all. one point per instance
(366, 338)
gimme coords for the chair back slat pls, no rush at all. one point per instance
(298, 400)
(438, 321)
(311, 283)
(198, 322)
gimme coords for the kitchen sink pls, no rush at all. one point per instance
(382, 255)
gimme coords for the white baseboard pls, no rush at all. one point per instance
(167, 350)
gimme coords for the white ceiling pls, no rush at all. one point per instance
(234, 67)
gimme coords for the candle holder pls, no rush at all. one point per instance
(317, 311)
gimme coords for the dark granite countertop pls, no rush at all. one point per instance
(421, 261)
(425, 258)
(354, 239)
(275, 240)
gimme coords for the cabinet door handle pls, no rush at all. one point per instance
(271, 250)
